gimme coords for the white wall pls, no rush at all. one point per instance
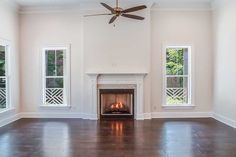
(43, 29)
(9, 31)
(184, 27)
(97, 46)
(224, 66)
(123, 48)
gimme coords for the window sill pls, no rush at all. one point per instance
(6, 110)
(185, 106)
(55, 107)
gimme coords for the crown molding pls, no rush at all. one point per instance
(181, 9)
(155, 5)
(49, 9)
(82, 7)
(182, 5)
(12, 4)
(216, 4)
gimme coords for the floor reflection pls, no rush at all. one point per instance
(5, 144)
(117, 128)
(177, 139)
(56, 139)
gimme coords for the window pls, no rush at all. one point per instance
(56, 80)
(177, 79)
(4, 76)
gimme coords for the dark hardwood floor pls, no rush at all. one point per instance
(117, 138)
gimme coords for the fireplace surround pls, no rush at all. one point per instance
(99, 80)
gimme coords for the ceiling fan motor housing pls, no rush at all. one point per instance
(118, 11)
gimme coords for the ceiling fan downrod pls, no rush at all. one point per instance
(117, 3)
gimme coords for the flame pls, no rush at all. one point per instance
(121, 105)
(117, 106)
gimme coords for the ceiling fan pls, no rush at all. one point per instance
(118, 11)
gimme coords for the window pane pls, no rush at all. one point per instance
(50, 63)
(2, 82)
(177, 61)
(2, 61)
(59, 61)
(54, 83)
(3, 93)
(177, 90)
(186, 60)
(55, 72)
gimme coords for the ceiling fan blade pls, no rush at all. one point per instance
(108, 7)
(133, 16)
(113, 19)
(141, 7)
(96, 15)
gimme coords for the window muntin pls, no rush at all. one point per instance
(56, 78)
(177, 76)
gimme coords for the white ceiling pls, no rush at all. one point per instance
(38, 3)
(61, 3)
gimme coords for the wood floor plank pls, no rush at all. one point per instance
(117, 138)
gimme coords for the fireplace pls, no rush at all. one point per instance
(116, 103)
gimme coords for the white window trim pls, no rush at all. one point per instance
(7, 44)
(190, 104)
(66, 76)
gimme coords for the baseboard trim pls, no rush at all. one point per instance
(225, 120)
(58, 115)
(138, 117)
(73, 115)
(153, 115)
(147, 116)
(181, 115)
(9, 120)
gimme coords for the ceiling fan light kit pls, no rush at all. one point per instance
(118, 11)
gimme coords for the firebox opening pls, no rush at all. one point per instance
(116, 103)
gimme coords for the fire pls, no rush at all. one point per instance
(121, 105)
(117, 106)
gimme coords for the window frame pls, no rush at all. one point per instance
(66, 75)
(189, 76)
(7, 46)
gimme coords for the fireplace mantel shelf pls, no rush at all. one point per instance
(116, 73)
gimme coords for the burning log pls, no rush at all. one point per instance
(116, 108)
